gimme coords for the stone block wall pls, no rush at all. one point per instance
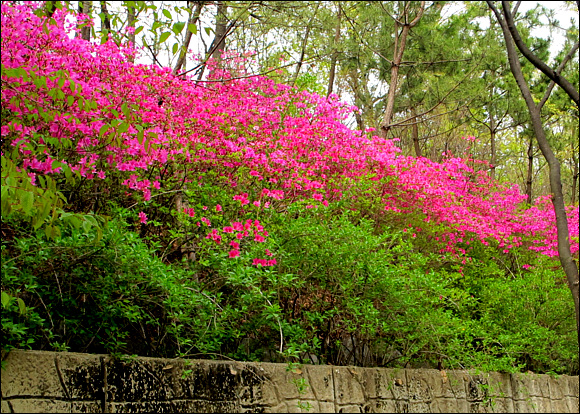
(51, 382)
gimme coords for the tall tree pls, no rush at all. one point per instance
(219, 42)
(106, 18)
(335, 52)
(404, 22)
(85, 7)
(131, 17)
(510, 33)
(191, 27)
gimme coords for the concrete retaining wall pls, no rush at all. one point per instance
(50, 382)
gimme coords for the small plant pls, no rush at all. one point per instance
(186, 372)
(302, 387)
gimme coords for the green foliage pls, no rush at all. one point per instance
(351, 284)
(343, 292)
(89, 293)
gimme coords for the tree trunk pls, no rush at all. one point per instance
(106, 18)
(492, 132)
(530, 173)
(394, 78)
(335, 53)
(552, 74)
(85, 8)
(357, 100)
(574, 184)
(400, 43)
(575, 175)
(193, 18)
(566, 260)
(220, 31)
(131, 23)
(218, 44)
(303, 46)
(415, 133)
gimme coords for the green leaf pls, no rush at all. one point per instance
(75, 222)
(164, 36)
(166, 13)
(26, 200)
(123, 127)
(99, 234)
(138, 30)
(56, 164)
(125, 110)
(46, 208)
(6, 206)
(103, 129)
(178, 27)
(86, 226)
(175, 48)
(91, 219)
(5, 299)
(52, 232)
(48, 231)
(192, 28)
(21, 306)
(37, 222)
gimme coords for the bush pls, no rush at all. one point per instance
(91, 294)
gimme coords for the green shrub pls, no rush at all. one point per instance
(345, 290)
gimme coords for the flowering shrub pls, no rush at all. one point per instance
(73, 107)
(295, 221)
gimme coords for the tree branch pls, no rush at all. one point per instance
(534, 60)
(558, 70)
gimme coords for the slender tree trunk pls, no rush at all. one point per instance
(303, 46)
(492, 132)
(218, 44)
(402, 38)
(493, 154)
(335, 53)
(566, 260)
(193, 18)
(575, 175)
(399, 49)
(106, 18)
(552, 74)
(131, 23)
(530, 174)
(302, 53)
(574, 183)
(358, 101)
(85, 7)
(220, 31)
(415, 133)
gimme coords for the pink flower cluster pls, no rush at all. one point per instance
(265, 140)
